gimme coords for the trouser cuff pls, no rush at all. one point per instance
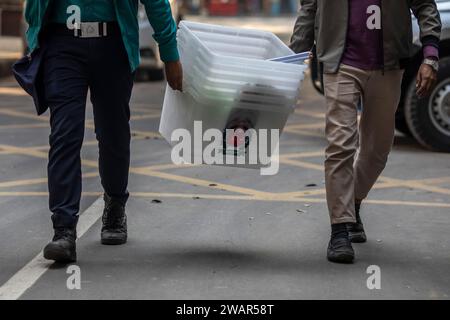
(64, 221)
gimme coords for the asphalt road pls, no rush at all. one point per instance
(219, 232)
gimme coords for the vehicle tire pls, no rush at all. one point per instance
(400, 123)
(429, 118)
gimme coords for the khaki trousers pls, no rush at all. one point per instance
(356, 157)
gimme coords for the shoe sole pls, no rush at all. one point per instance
(113, 242)
(342, 258)
(357, 237)
(58, 255)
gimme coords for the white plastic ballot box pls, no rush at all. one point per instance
(230, 83)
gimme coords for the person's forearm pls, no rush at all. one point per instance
(429, 21)
(160, 17)
(303, 35)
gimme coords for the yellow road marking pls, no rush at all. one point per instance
(238, 197)
(304, 193)
(433, 180)
(43, 155)
(167, 166)
(149, 115)
(417, 184)
(10, 55)
(38, 194)
(15, 91)
(409, 203)
(85, 143)
(247, 193)
(24, 126)
(47, 147)
(301, 164)
(144, 116)
(134, 133)
(29, 182)
(40, 154)
(23, 151)
(26, 115)
(322, 191)
(192, 195)
(198, 182)
(89, 122)
(146, 134)
(144, 108)
(205, 183)
(305, 133)
(317, 125)
(318, 115)
(307, 154)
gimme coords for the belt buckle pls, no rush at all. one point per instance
(89, 30)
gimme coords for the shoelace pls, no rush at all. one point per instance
(115, 217)
(340, 242)
(63, 233)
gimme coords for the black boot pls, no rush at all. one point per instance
(356, 231)
(114, 229)
(340, 248)
(63, 247)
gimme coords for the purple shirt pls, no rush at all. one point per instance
(364, 46)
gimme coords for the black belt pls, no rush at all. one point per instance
(85, 30)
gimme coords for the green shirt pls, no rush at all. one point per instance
(91, 10)
(158, 12)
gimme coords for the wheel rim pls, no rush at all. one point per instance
(439, 107)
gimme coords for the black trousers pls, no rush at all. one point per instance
(71, 67)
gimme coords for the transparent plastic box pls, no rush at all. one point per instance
(228, 78)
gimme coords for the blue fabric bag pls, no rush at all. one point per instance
(28, 75)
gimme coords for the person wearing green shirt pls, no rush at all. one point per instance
(92, 46)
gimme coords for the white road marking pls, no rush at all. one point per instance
(20, 282)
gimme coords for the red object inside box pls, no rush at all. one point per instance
(223, 7)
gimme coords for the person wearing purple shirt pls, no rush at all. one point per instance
(363, 47)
